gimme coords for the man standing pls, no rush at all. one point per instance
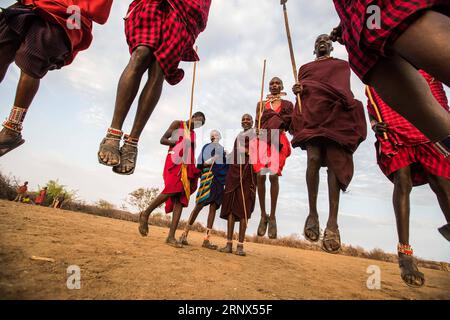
(21, 191)
(409, 159)
(330, 128)
(212, 162)
(273, 150)
(177, 186)
(42, 35)
(240, 186)
(160, 34)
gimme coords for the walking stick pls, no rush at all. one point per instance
(291, 50)
(184, 175)
(262, 95)
(377, 111)
(242, 186)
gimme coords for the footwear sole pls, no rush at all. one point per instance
(2, 153)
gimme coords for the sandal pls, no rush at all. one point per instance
(410, 274)
(272, 232)
(143, 226)
(263, 226)
(312, 226)
(112, 135)
(330, 237)
(11, 145)
(173, 243)
(183, 240)
(445, 231)
(227, 249)
(208, 245)
(240, 250)
(128, 156)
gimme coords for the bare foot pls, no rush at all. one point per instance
(109, 152)
(240, 251)
(143, 224)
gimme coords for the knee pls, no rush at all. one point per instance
(403, 182)
(273, 179)
(440, 186)
(314, 161)
(140, 59)
(261, 178)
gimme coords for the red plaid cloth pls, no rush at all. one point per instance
(169, 28)
(406, 145)
(365, 46)
(55, 11)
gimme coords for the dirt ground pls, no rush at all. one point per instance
(117, 263)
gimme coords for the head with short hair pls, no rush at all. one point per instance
(276, 86)
(198, 119)
(247, 121)
(215, 136)
(323, 45)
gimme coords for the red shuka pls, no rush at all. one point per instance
(172, 170)
(56, 11)
(406, 144)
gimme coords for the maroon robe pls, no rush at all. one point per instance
(331, 116)
(232, 198)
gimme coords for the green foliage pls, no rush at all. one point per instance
(142, 197)
(103, 204)
(55, 190)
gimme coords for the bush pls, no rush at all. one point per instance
(8, 187)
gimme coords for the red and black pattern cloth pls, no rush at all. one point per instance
(169, 28)
(406, 145)
(365, 46)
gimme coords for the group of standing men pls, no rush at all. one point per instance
(408, 109)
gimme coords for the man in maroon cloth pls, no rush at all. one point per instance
(409, 159)
(273, 150)
(39, 36)
(240, 186)
(387, 41)
(181, 154)
(160, 34)
(330, 128)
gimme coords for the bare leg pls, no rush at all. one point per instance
(147, 102)
(400, 85)
(433, 53)
(192, 218)
(441, 187)
(25, 93)
(402, 190)
(176, 215)
(261, 181)
(331, 239)
(240, 247)
(127, 89)
(312, 228)
(261, 186)
(143, 217)
(274, 191)
(212, 215)
(230, 231)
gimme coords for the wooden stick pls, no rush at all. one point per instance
(192, 92)
(242, 186)
(377, 111)
(262, 96)
(291, 51)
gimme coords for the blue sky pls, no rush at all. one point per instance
(71, 112)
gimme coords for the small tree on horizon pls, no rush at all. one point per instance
(142, 197)
(55, 189)
(103, 204)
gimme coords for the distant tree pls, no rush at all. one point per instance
(142, 197)
(55, 190)
(103, 204)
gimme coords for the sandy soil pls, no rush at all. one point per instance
(117, 263)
